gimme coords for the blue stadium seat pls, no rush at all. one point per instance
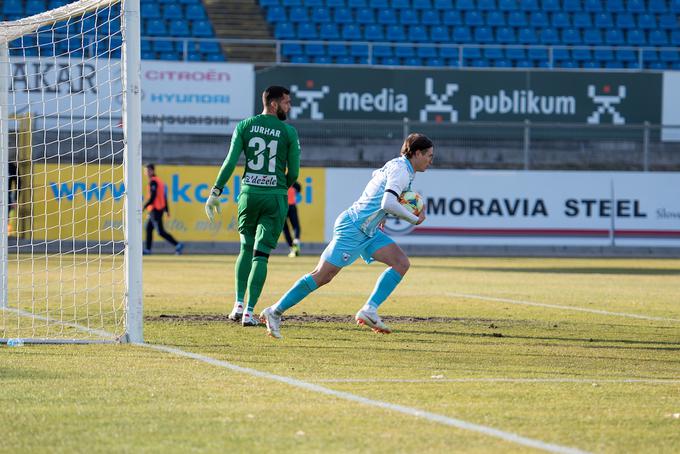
(592, 37)
(430, 17)
(417, 34)
(581, 54)
(636, 6)
(172, 11)
(527, 36)
(561, 54)
(449, 53)
(149, 11)
(657, 65)
(561, 20)
(401, 4)
(625, 21)
(506, 35)
(502, 63)
(443, 4)
(298, 14)
(515, 53)
(582, 20)
(374, 32)
(635, 37)
(378, 4)
(517, 19)
(322, 60)
(321, 15)
(365, 16)
(267, 3)
(422, 4)
(412, 61)
(408, 17)
(627, 55)
(465, 5)
(389, 61)
(197, 12)
(614, 37)
(615, 6)
(335, 3)
(209, 47)
(668, 21)
(291, 3)
(493, 53)
(395, 33)
(480, 63)
(344, 60)
(387, 17)
(571, 36)
(529, 5)
(567, 64)
(590, 64)
(524, 64)
(604, 20)
(148, 55)
(486, 5)
(452, 17)
(473, 18)
(276, 13)
(571, 6)
(343, 16)
(593, 6)
(303, 59)
(614, 64)
(439, 34)
(284, 30)
(201, 29)
(647, 21)
(507, 5)
(337, 50)
(470, 53)
(358, 50)
(329, 32)
(313, 3)
(307, 30)
(461, 35)
(550, 5)
(658, 38)
(669, 55)
(180, 28)
(314, 50)
(484, 35)
(427, 52)
(549, 36)
(537, 53)
(156, 27)
(675, 38)
(404, 51)
(351, 32)
(657, 6)
(357, 3)
(163, 45)
(539, 19)
(168, 56)
(603, 55)
(495, 19)
(33, 7)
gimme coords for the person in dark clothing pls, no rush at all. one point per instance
(157, 205)
(13, 194)
(293, 242)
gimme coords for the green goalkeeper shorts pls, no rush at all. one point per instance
(261, 216)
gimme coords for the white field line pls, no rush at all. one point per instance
(499, 380)
(558, 306)
(434, 417)
(96, 332)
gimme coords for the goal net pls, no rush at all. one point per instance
(70, 175)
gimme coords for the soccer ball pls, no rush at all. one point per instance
(412, 202)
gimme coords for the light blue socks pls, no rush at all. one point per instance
(303, 287)
(385, 285)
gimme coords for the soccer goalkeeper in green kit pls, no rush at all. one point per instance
(272, 151)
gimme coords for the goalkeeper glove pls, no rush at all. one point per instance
(212, 205)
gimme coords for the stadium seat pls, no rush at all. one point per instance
(284, 30)
(408, 17)
(374, 32)
(560, 20)
(539, 19)
(33, 7)
(507, 5)
(303, 59)
(635, 6)
(387, 17)
(321, 15)
(470, 53)
(196, 12)
(657, 6)
(443, 5)
(593, 6)
(483, 35)
(201, 29)
(430, 17)
(412, 61)
(422, 4)
(517, 19)
(179, 28)
(675, 38)
(625, 21)
(427, 52)
(298, 14)
(344, 60)
(461, 35)
(439, 34)
(668, 55)
(465, 5)
(615, 6)
(381, 51)
(378, 4)
(172, 11)
(603, 55)
(343, 15)
(473, 18)
(322, 60)
(314, 50)
(358, 50)
(550, 5)
(506, 35)
(401, 4)
(334, 3)
(549, 36)
(635, 37)
(658, 38)
(592, 37)
(614, 37)
(571, 36)
(417, 34)
(604, 20)
(647, 22)
(452, 17)
(493, 53)
(449, 53)
(537, 53)
(149, 11)
(626, 55)
(527, 36)
(582, 20)
(329, 32)
(486, 5)
(571, 6)
(307, 30)
(529, 5)
(163, 45)
(495, 19)
(351, 32)
(515, 53)
(156, 27)
(395, 33)
(668, 21)
(365, 16)
(524, 64)
(404, 51)
(581, 54)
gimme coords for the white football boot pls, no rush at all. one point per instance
(372, 320)
(248, 320)
(273, 322)
(237, 312)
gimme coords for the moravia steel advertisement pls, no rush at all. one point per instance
(529, 208)
(452, 96)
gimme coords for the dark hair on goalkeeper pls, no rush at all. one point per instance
(415, 142)
(273, 93)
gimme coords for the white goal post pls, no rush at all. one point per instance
(71, 175)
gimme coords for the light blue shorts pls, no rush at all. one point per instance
(349, 243)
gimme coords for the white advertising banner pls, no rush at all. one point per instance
(529, 208)
(670, 111)
(178, 97)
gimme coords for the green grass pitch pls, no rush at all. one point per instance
(466, 345)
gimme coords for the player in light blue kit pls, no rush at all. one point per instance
(358, 232)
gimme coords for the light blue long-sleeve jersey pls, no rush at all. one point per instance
(396, 175)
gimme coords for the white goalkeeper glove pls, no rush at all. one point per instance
(212, 205)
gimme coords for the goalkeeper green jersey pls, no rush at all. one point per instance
(271, 147)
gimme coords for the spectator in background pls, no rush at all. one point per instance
(12, 194)
(293, 243)
(157, 205)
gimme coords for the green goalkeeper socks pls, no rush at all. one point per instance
(258, 274)
(242, 271)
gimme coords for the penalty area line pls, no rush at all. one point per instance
(410, 411)
(561, 307)
(651, 381)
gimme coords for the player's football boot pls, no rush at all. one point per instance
(273, 322)
(179, 248)
(249, 320)
(372, 320)
(237, 312)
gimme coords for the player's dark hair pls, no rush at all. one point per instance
(273, 93)
(151, 166)
(415, 142)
